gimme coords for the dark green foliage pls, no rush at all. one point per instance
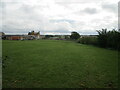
(48, 36)
(29, 33)
(67, 37)
(3, 37)
(105, 39)
(88, 40)
(109, 39)
(102, 37)
(74, 36)
(113, 39)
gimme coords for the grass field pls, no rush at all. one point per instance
(58, 64)
(0, 64)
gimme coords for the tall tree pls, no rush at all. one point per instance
(74, 35)
(102, 37)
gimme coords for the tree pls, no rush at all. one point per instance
(102, 37)
(109, 39)
(74, 35)
(29, 33)
(48, 36)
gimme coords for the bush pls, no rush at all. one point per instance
(102, 37)
(109, 39)
(91, 40)
(105, 39)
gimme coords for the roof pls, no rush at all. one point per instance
(19, 35)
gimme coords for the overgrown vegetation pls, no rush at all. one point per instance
(109, 39)
(105, 39)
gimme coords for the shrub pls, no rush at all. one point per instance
(106, 39)
(109, 39)
(102, 37)
(88, 40)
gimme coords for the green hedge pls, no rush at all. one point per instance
(105, 39)
(88, 40)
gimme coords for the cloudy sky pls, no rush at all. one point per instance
(58, 16)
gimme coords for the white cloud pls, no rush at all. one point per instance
(58, 16)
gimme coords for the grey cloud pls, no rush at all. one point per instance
(63, 20)
(62, 31)
(119, 14)
(27, 8)
(88, 33)
(2, 4)
(77, 1)
(13, 30)
(90, 10)
(58, 31)
(29, 13)
(110, 7)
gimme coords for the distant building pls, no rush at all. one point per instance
(13, 37)
(19, 37)
(1, 35)
(42, 37)
(36, 34)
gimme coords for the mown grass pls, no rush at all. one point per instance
(0, 64)
(58, 64)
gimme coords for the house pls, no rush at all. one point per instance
(13, 37)
(31, 36)
(1, 35)
(19, 37)
(35, 34)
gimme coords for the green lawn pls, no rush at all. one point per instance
(56, 64)
(0, 64)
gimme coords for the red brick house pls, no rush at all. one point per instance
(19, 37)
(36, 34)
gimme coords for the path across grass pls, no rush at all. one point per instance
(56, 64)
